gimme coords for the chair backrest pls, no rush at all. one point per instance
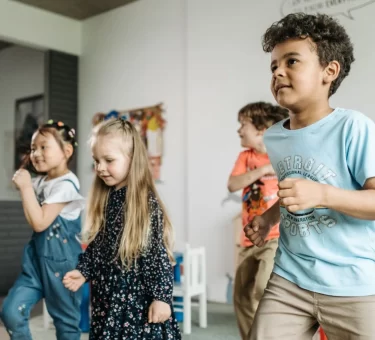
(194, 270)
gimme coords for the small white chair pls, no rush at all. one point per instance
(193, 283)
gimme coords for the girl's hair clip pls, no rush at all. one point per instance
(72, 133)
(75, 144)
(61, 124)
(112, 114)
(50, 121)
(124, 117)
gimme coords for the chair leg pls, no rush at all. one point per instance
(46, 317)
(187, 315)
(203, 310)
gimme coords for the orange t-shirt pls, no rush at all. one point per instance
(260, 195)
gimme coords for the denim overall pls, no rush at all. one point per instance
(48, 256)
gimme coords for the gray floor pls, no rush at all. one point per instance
(221, 325)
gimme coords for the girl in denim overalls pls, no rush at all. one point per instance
(52, 206)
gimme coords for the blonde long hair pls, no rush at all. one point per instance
(135, 236)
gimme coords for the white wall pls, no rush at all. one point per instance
(137, 56)
(357, 91)
(35, 27)
(21, 75)
(227, 69)
(134, 57)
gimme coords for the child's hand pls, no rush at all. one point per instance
(159, 312)
(73, 280)
(22, 179)
(257, 231)
(300, 194)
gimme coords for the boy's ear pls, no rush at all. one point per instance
(331, 72)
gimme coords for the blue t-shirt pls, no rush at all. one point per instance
(322, 250)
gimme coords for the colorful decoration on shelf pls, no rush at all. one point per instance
(150, 124)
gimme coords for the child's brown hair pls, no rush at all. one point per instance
(262, 115)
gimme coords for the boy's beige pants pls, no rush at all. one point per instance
(288, 312)
(253, 272)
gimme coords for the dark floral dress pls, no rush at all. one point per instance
(120, 298)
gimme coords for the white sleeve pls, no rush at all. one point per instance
(64, 192)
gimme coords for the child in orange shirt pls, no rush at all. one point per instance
(254, 174)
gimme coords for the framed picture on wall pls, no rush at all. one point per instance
(29, 115)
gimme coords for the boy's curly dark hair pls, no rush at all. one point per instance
(262, 114)
(331, 39)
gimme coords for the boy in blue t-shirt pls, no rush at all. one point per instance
(325, 161)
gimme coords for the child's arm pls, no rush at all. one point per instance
(242, 181)
(259, 228)
(272, 215)
(358, 204)
(86, 259)
(300, 194)
(74, 279)
(157, 270)
(39, 218)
